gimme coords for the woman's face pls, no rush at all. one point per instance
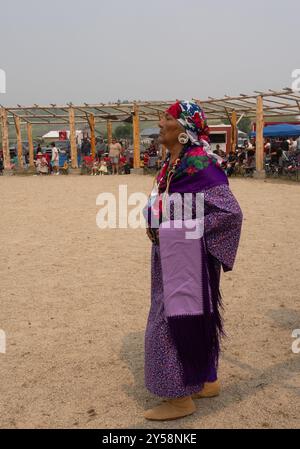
(169, 130)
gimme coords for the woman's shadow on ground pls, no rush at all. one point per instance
(132, 353)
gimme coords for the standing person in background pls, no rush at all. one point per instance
(276, 151)
(285, 145)
(298, 144)
(38, 149)
(100, 147)
(293, 145)
(267, 147)
(85, 147)
(48, 159)
(114, 154)
(152, 152)
(248, 145)
(55, 159)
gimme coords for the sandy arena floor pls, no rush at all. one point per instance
(74, 304)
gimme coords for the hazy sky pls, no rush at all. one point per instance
(94, 50)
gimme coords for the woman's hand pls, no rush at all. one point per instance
(152, 234)
(149, 234)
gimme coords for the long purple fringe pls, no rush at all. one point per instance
(197, 337)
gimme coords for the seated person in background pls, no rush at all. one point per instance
(106, 159)
(152, 151)
(14, 162)
(276, 152)
(41, 164)
(240, 161)
(103, 167)
(250, 163)
(65, 168)
(232, 160)
(146, 159)
(122, 163)
(219, 151)
(95, 167)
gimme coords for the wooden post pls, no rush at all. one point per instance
(30, 144)
(5, 141)
(109, 132)
(234, 131)
(260, 135)
(136, 137)
(91, 119)
(74, 162)
(163, 147)
(19, 141)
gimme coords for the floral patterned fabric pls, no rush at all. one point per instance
(192, 160)
(193, 119)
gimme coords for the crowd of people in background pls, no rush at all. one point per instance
(280, 154)
(114, 158)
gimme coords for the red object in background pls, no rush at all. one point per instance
(146, 159)
(88, 160)
(62, 135)
(222, 129)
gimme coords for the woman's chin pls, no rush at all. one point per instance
(161, 140)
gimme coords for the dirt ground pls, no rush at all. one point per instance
(75, 299)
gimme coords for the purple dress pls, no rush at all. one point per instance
(164, 372)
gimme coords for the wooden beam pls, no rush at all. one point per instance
(109, 132)
(260, 135)
(91, 120)
(30, 144)
(136, 137)
(240, 118)
(74, 162)
(19, 141)
(234, 131)
(276, 104)
(5, 140)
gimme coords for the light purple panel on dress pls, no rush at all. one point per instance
(181, 260)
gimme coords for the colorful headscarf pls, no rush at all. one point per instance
(192, 117)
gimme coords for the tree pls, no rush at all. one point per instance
(245, 125)
(124, 131)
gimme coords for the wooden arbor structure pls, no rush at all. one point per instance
(259, 106)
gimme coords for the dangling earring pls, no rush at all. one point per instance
(183, 138)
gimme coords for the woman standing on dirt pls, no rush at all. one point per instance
(182, 340)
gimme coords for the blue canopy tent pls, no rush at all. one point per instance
(282, 130)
